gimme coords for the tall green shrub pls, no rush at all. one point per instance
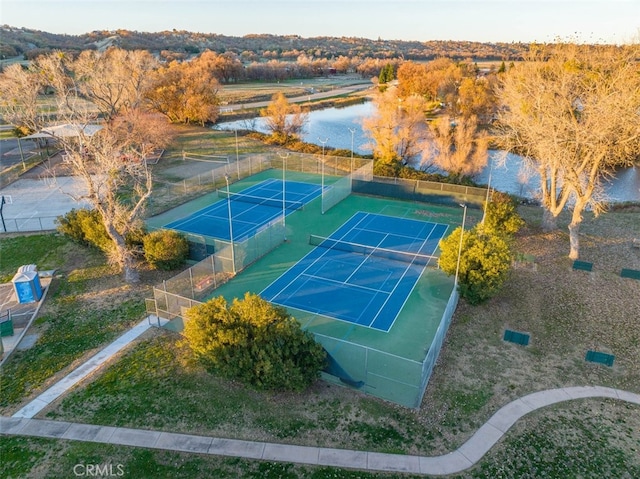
(85, 227)
(165, 249)
(486, 254)
(484, 262)
(501, 216)
(253, 341)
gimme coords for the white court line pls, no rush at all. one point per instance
(302, 259)
(26, 219)
(364, 260)
(412, 288)
(344, 283)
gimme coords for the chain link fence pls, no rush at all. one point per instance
(24, 225)
(383, 374)
(420, 190)
(219, 259)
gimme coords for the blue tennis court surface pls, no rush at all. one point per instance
(363, 273)
(251, 210)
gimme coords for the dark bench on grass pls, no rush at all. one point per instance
(582, 265)
(601, 358)
(630, 273)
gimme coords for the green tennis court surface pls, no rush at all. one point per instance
(393, 365)
(241, 215)
(363, 273)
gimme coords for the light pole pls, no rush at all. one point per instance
(486, 200)
(464, 217)
(24, 166)
(322, 185)
(237, 156)
(323, 143)
(353, 131)
(284, 191)
(233, 253)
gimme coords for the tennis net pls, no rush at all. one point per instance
(392, 254)
(259, 200)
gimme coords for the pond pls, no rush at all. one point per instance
(338, 127)
(330, 124)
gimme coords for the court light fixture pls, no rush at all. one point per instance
(233, 254)
(464, 217)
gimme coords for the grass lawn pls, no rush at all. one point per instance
(88, 305)
(263, 91)
(155, 385)
(48, 249)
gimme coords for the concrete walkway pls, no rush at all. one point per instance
(23, 424)
(459, 460)
(82, 371)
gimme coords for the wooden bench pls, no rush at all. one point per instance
(582, 265)
(203, 284)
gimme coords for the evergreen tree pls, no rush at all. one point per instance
(254, 342)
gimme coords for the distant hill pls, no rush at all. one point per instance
(29, 43)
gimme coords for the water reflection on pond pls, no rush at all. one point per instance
(339, 126)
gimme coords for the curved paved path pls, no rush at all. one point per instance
(459, 460)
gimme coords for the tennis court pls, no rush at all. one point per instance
(391, 358)
(249, 211)
(363, 272)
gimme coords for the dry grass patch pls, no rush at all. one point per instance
(566, 312)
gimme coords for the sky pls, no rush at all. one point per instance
(583, 21)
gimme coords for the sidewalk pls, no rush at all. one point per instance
(454, 462)
(82, 371)
(23, 424)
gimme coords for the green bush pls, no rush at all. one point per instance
(487, 252)
(70, 226)
(501, 216)
(165, 249)
(254, 342)
(484, 262)
(86, 228)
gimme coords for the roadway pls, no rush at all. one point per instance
(346, 90)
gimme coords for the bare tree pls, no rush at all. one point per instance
(115, 80)
(112, 164)
(283, 119)
(20, 90)
(572, 112)
(111, 161)
(457, 146)
(397, 128)
(227, 67)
